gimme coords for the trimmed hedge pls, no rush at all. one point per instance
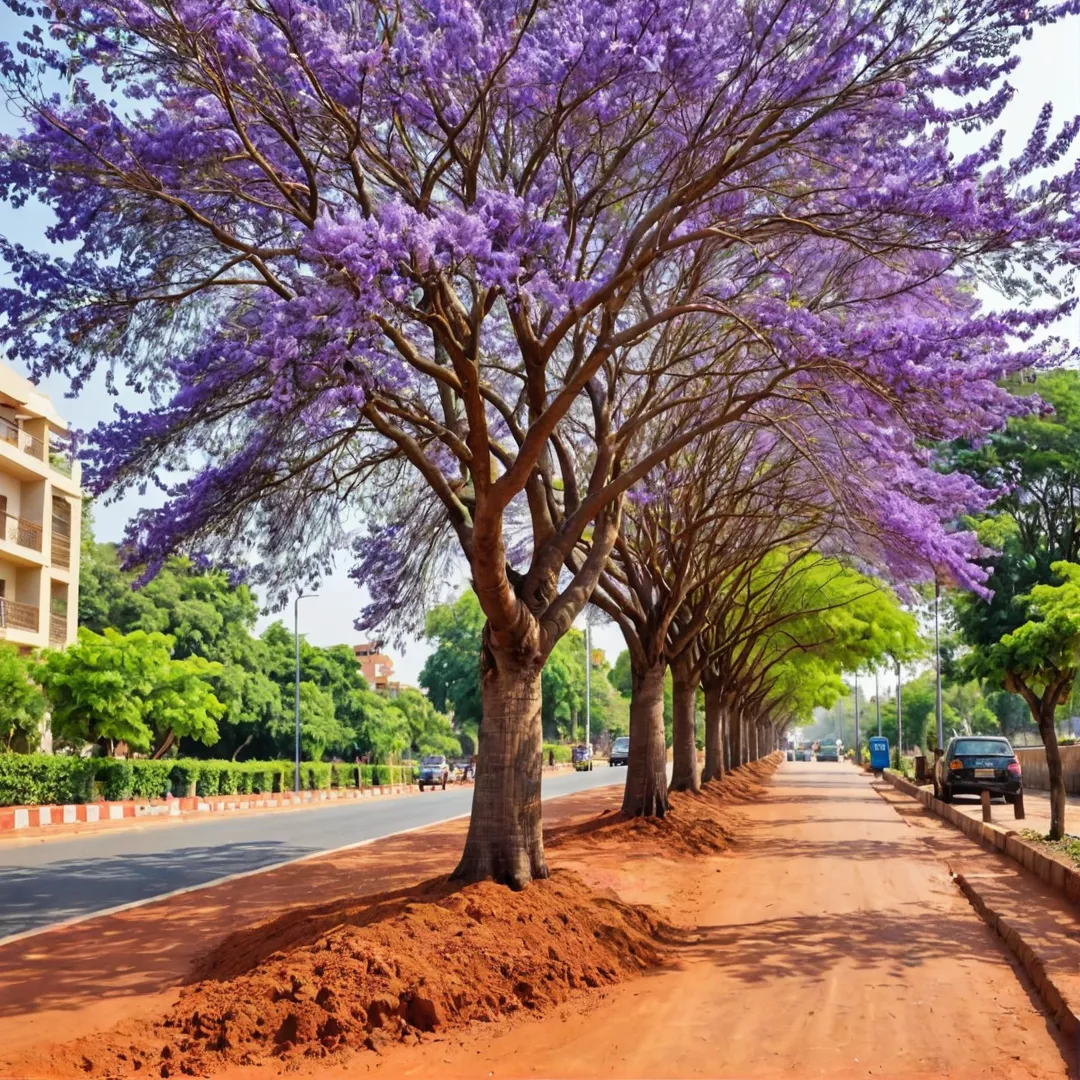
(33, 779)
(40, 779)
(562, 752)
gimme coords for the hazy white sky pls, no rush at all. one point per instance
(1050, 71)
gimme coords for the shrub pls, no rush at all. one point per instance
(184, 773)
(562, 752)
(315, 775)
(116, 777)
(151, 779)
(39, 779)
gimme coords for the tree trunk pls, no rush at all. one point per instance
(646, 772)
(166, 744)
(714, 732)
(684, 768)
(735, 722)
(506, 841)
(1044, 717)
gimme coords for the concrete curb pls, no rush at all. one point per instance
(1055, 873)
(1052, 996)
(40, 817)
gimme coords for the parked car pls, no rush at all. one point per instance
(972, 764)
(620, 751)
(581, 758)
(434, 772)
(828, 752)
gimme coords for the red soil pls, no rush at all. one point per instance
(362, 973)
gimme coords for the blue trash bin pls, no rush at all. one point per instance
(879, 753)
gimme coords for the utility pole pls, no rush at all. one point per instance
(296, 639)
(937, 663)
(877, 700)
(858, 754)
(899, 728)
(588, 671)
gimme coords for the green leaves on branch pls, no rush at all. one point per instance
(21, 703)
(112, 688)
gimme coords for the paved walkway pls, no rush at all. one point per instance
(1036, 812)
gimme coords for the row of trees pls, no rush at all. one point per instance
(176, 666)
(651, 305)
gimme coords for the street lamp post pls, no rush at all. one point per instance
(899, 728)
(877, 700)
(296, 639)
(937, 662)
(588, 667)
(858, 754)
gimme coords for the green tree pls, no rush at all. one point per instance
(320, 729)
(1033, 527)
(430, 731)
(451, 674)
(1039, 661)
(116, 688)
(21, 703)
(207, 616)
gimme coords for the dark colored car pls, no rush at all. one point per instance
(434, 772)
(827, 752)
(620, 751)
(972, 764)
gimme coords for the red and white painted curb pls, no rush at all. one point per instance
(40, 817)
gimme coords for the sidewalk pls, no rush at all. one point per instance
(1036, 812)
(1038, 922)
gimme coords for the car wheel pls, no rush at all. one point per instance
(946, 794)
(1010, 799)
(421, 787)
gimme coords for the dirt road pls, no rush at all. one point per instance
(832, 943)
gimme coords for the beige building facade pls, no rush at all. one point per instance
(40, 516)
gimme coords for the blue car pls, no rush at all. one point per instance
(434, 772)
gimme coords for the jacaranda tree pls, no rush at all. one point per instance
(436, 267)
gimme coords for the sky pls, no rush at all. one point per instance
(1049, 71)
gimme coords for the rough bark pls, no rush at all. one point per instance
(1042, 711)
(684, 766)
(735, 720)
(506, 841)
(646, 773)
(1048, 731)
(714, 732)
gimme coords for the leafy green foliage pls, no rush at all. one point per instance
(451, 674)
(21, 703)
(42, 779)
(111, 688)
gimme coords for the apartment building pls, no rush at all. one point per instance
(40, 515)
(377, 667)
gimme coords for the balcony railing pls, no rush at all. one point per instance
(61, 549)
(19, 531)
(57, 456)
(15, 616)
(57, 629)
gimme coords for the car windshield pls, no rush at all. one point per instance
(621, 744)
(433, 761)
(983, 747)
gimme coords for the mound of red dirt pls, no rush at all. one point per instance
(387, 971)
(696, 823)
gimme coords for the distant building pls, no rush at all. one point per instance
(40, 515)
(377, 667)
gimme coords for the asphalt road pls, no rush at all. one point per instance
(46, 883)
